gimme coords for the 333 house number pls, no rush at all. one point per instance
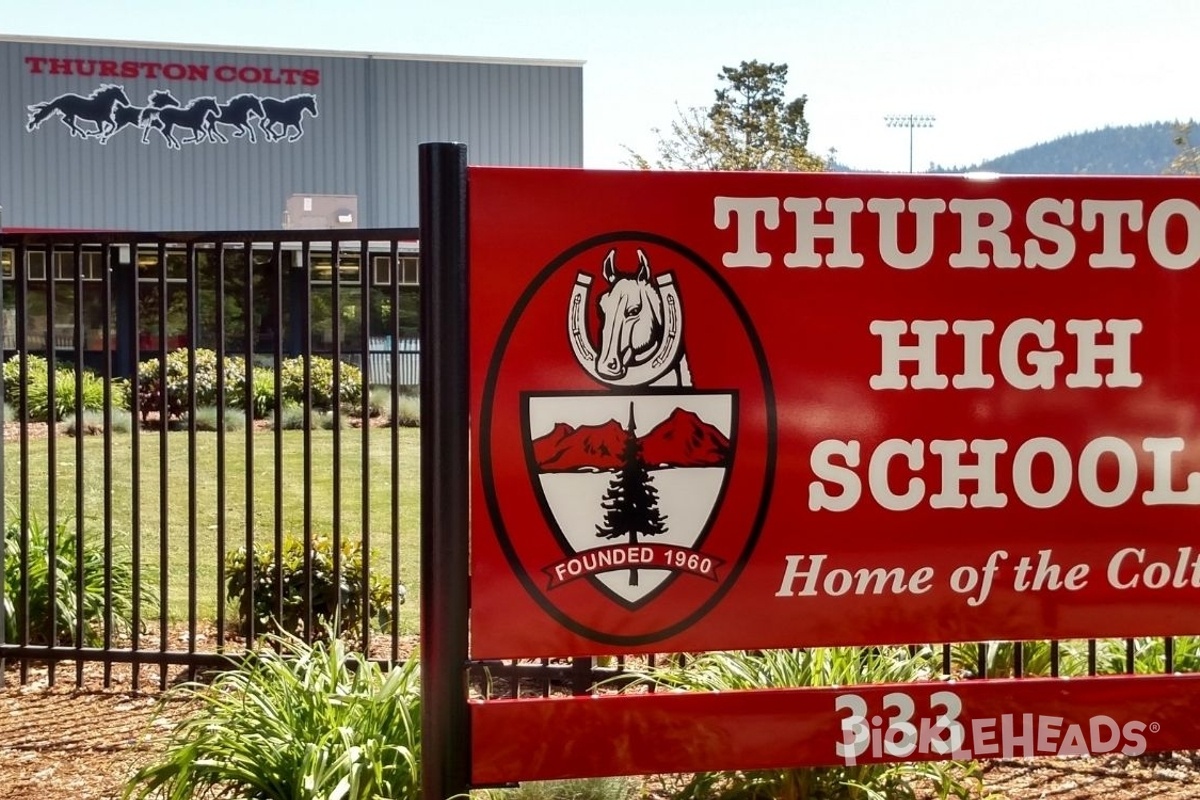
(901, 732)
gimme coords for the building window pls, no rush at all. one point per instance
(151, 326)
(408, 271)
(321, 267)
(382, 269)
(68, 331)
(64, 265)
(148, 270)
(35, 265)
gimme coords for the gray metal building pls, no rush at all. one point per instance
(129, 136)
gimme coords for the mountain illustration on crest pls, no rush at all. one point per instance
(681, 440)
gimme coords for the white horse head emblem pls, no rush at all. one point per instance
(641, 328)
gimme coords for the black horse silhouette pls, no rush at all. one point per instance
(287, 114)
(194, 116)
(96, 108)
(123, 117)
(236, 114)
(158, 100)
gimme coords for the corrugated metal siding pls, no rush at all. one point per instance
(508, 114)
(373, 112)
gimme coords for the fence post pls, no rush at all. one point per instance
(445, 735)
(3, 394)
(124, 281)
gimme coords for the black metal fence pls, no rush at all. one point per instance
(300, 343)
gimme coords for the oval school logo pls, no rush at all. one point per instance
(634, 389)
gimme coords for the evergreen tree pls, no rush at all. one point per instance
(750, 126)
(631, 502)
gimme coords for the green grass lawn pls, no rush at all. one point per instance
(171, 531)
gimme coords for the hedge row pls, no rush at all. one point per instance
(151, 394)
(262, 389)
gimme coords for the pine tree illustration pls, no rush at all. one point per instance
(631, 502)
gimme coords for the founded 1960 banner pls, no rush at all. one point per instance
(718, 411)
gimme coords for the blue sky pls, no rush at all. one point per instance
(997, 74)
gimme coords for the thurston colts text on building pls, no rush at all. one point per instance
(172, 71)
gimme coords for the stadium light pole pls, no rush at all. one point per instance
(910, 121)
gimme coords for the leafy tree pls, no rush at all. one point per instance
(631, 501)
(750, 126)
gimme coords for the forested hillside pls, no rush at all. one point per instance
(1125, 150)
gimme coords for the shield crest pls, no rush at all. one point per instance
(629, 484)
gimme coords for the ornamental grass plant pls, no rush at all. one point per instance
(75, 602)
(294, 721)
(615, 788)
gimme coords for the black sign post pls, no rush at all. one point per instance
(445, 483)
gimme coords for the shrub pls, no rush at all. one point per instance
(36, 370)
(92, 423)
(38, 395)
(120, 394)
(207, 419)
(1147, 655)
(235, 383)
(264, 394)
(150, 393)
(379, 404)
(121, 421)
(69, 615)
(999, 659)
(327, 420)
(350, 383)
(833, 666)
(37, 400)
(577, 789)
(333, 597)
(408, 413)
(38, 388)
(308, 721)
(179, 379)
(292, 418)
(1185, 658)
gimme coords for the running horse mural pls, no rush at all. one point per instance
(96, 108)
(109, 110)
(141, 117)
(237, 114)
(195, 116)
(287, 114)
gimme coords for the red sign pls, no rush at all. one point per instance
(724, 411)
(693, 731)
